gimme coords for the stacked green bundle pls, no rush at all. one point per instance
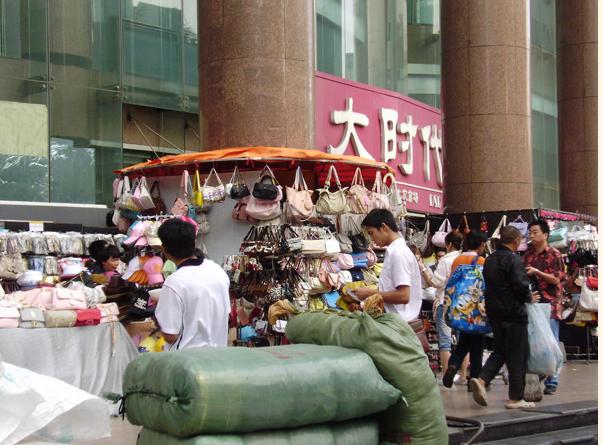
(355, 432)
(236, 390)
(399, 357)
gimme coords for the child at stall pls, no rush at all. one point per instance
(109, 259)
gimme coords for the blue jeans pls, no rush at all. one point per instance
(443, 330)
(553, 382)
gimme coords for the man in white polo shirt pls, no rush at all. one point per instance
(194, 304)
(400, 279)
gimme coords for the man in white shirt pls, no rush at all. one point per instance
(400, 279)
(194, 305)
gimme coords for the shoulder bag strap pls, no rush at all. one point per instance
(213, 174)
(377, 183)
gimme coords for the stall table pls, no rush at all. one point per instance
(92, 358)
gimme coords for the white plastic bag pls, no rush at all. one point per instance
(545, 356)
(47, 408)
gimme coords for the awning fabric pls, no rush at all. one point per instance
(254, 158)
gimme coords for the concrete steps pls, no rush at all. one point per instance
(546, 425)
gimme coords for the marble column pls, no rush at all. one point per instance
(577, 102)
(256, 73)
(485, 105)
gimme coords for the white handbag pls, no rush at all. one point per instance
(396, 203)
(331, 203)
(491, 243)
(439, 238)
(141, 196)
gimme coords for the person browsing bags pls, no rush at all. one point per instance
(400, 279)
(544, 264)
(194, 303)
(438, 279)
(507, 290)
(472, 344)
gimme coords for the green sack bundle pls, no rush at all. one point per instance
(400, 359)
(235, 390)
(354, 432)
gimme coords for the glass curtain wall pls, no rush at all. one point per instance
(67, 67)
(391, 44)
(543, 73)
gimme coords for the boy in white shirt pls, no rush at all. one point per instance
(194, 305)
(400, 279)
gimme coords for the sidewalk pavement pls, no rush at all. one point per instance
(577, 382)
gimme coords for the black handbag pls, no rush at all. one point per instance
(359, 241)
(238, 188)
(266, 186)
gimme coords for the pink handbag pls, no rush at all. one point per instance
(9, 316)
(239, 211)
(181, 204)
(142, 196)
(263, 209)
(299, 199)
(358, 195)
(345, 261)
(378, 199)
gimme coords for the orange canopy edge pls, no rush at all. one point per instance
(247, 158)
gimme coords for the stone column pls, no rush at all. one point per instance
(577, 102)
(485, 105)
(256, 73)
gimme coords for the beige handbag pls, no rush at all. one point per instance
(60, 319)
(491, 244)
(378, 199)
(299, 204)
(358, 195)
(396, 203)
(331, 203)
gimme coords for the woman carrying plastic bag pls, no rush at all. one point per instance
(545, 356)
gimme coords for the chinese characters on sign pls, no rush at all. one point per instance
(359, 119)
(429, 136)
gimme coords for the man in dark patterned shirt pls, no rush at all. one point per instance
(545, 265)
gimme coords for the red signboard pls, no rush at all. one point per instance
(358, 119)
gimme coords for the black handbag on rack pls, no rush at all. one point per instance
(359, 241)
(266, 186)
(238, 188)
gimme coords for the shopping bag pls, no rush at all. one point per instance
(545, 356)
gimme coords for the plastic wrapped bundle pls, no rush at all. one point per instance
(235, 390)
(355, 432)
(399, 357)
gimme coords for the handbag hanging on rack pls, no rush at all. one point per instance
(181, 203)
(266, 187)
(522, 226)
(238, 188)
(438, 238)
(492, 243)
(377, 198)
(331, 203)
(358, 195)
(299, 204)
(158, 204)
(213, 193)
(396, 203)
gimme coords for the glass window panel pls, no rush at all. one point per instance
(84, 42)
(23, 43)
(153, 66)
(394, 44)
(23, 140)
(543, 70)
(86, 138)
(191, 68)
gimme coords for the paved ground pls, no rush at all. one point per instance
(578, 382)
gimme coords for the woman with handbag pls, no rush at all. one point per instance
(438, 279)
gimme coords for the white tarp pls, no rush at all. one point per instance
(52, 410)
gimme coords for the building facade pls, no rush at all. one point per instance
(479, 105)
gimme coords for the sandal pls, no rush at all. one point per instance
(522, 404)
(479, 392)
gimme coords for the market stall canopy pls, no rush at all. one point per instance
(254, 158)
